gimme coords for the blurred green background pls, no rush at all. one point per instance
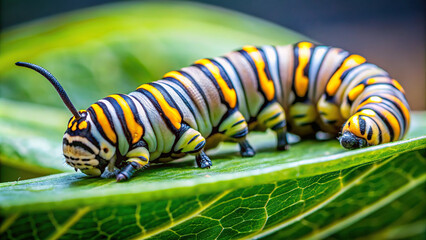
(389, 33)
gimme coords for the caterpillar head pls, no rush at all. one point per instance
(83, 147)
(360, 131)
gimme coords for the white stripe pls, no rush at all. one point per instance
(272, 60)
(316, 60)
(148, 133)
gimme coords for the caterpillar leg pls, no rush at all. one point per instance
(137, 159)
(202, 160)
(273, 117)
(246, 150)
(282, 143)
(235, 128)
(190, 141)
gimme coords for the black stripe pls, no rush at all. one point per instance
(210, 76)
(362, 125)
(347, 71)
(370, 133)
(305, 73)
(273, 117)
(299, 115)
(370, 130)
(200, 90)
(181, 96)
(279, 72)
(120, 114)
(241, 83)
(328, 97)
(96, 121)
(193, 138)
(364, 82)
(265, 59)
(133, 108)
(384, 119)
(279, 125)
(145, 110)
(331, 122)
(240, 134)
(223, 73)
(247, 56)
(167, 97)
(157, 106)
(319, 66)
(78, 144)
(401, 113)
(179, 84)
(239, 122)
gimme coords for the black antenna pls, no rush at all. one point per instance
(55, 84)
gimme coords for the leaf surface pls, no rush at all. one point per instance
(316, 189)
(363, 200)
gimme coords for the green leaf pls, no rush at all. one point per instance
(369, 192)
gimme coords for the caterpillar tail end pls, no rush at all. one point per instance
(349, 141)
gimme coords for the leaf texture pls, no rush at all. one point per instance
(360, 201)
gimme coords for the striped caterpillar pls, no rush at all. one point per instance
(301, 88)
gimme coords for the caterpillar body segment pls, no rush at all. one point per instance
(302, 88)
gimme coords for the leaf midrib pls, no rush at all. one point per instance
(172, 224)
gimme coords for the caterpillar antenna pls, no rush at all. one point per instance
(55, 84)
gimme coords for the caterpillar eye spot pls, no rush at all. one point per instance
(200, 101)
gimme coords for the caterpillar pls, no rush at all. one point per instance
(302, 88)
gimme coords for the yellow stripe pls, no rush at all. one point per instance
(228, 93)
(71, 122)
(354, 93)
(301, 82)
(335, 81)
(394, 124)
(103, 121)
(397, 85)
(373, 99)
(135, 129)
(178, 76)
(266, 84)
(74, 126)
(171, 113)
(401, 105)
(355, 125)
(375, 80)
(82, 125)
